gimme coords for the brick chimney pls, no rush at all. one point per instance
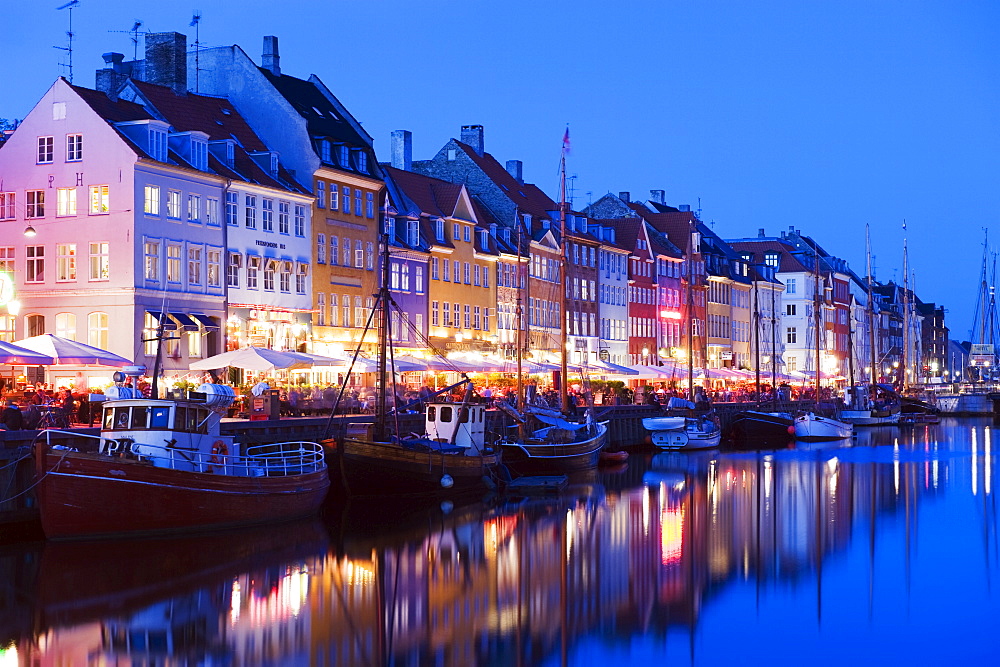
(166, 60)
(401, 149)
(269, 60)
(657, 196)
(472, 135)
(760, 232)
(684, 207)
(625, 196)
(515, 169)
(110, 79)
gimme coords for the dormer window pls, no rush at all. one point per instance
(439, 230)
(361, 161)
(158, 144)
(326, 151)
(771, 259)
(343, 156)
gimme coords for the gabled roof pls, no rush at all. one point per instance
(526, 196)
(788, 260)
(117, 111)
(627, 231)
(215, 116)
(433, 196)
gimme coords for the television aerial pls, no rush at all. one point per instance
(71, 5)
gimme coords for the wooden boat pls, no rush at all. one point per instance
(866, 406)
(451, 457)
(811, 426)
(683, 432)
(161, 465)
(757, 428)
(612, 458)
(560, 447)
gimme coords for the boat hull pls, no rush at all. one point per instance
(869, 418)
(546, 457)
(965, 404)
(89, 495)
(752, 428)
(816, 427)
(367, 468)
(687, 433)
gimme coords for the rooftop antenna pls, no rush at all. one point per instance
(135, 39)
(196, 23)
(572, 189)
(69, 34)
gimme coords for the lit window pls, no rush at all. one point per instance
(35, 207)
(152, 260)
(174, 204)
(65, 262)
(35, 264)
(7, 205)
(194, 208)
(100, 203)
(283, 209)
(194, 265)
(267, 215)
(66, 201)
(100, 260)
(151, 200)
(66, 325)
(250, 212)
(214, 275)
(173, 263)
(97, 330)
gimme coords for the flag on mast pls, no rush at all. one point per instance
(566, 140)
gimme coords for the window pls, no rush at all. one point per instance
(447, 271)
(151, 200)
(300, 221)
(194, 208)
(334, 197)
(66, 201)
(100, 259)
(300, 278)
(267, 215)
(446, 314)
(394, 275)
(157, 144)
(486, 276)
(439, 230)
(771, 258)
(790, 286)
(253, 270)
(174, 204)
(212, 212)
(100, 200)
(173, 263)
(35, 325)
(233, 269)
(232, 208)
(370, 256)
(35, 267)
(466, 233)
(325, 153)
(434, 269)
(320, 309)
(194, 265)
(790, 309)
(44, 150)
(65, 262)
(334, 310)
(477, 320)
(359, 312)
(466, 273)
(334, 250)
(475, 276)
(283, 208)
(36, 204)
(66, 325)
(74, 147)
(361, 159)
(321, 248)
(250, 212)
(152, 260)
(418, 279)
(359, 255)
(369, 202)
(346, 198)
(7, 259)
(214, 275)
(8, 201)
(194, 339)
(456, 272)
(456, 231)
(347, 252)
(285, 277)
(343, 152)
(346, 310)
(269, 275)
(467, 319)
(790, 335)
(434, 313)
(7, 333)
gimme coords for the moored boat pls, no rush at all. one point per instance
(757, 428)
(683, 432)
(560, 446)
(811, 426)
(162, 465)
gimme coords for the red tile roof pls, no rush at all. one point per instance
(526, 196)
(435, 197)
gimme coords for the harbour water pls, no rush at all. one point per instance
(879, 549)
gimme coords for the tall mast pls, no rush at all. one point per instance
(756, 330)
(817, 317)
(564, 338)
(382, 302)
(690, 308)
(874, 360)
(519, 314)
(905, 362)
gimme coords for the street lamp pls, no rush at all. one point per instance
(30, 232)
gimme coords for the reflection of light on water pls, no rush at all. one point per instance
(8, 656)
(282, 600)
(671, 534)
(833, 467)
(975, 449)
(645, 510)
(357, 574)
(569, 533)
(235, 603)
(768, 476)
(934, 472)
(987, 441)
(895, 466)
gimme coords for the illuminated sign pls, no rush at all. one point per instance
(670, 314)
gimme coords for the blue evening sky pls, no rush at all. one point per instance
(824, 116)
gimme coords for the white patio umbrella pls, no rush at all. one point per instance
(22, 356)
(64, 351)
(253, 359)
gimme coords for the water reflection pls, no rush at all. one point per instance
(657, 560)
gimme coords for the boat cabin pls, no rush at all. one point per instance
(459, 425)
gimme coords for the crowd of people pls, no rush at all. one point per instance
(43, 405)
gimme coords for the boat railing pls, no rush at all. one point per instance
(264, 460)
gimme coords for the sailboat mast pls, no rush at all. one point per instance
(756, 332)
(564, 339)
(519, 283)
(817, 317)
(905, 361)
(690, 312)
(874, 360)
(382, 302)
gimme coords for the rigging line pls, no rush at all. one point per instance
(347, 375)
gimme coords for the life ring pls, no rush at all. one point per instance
(220, 450)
